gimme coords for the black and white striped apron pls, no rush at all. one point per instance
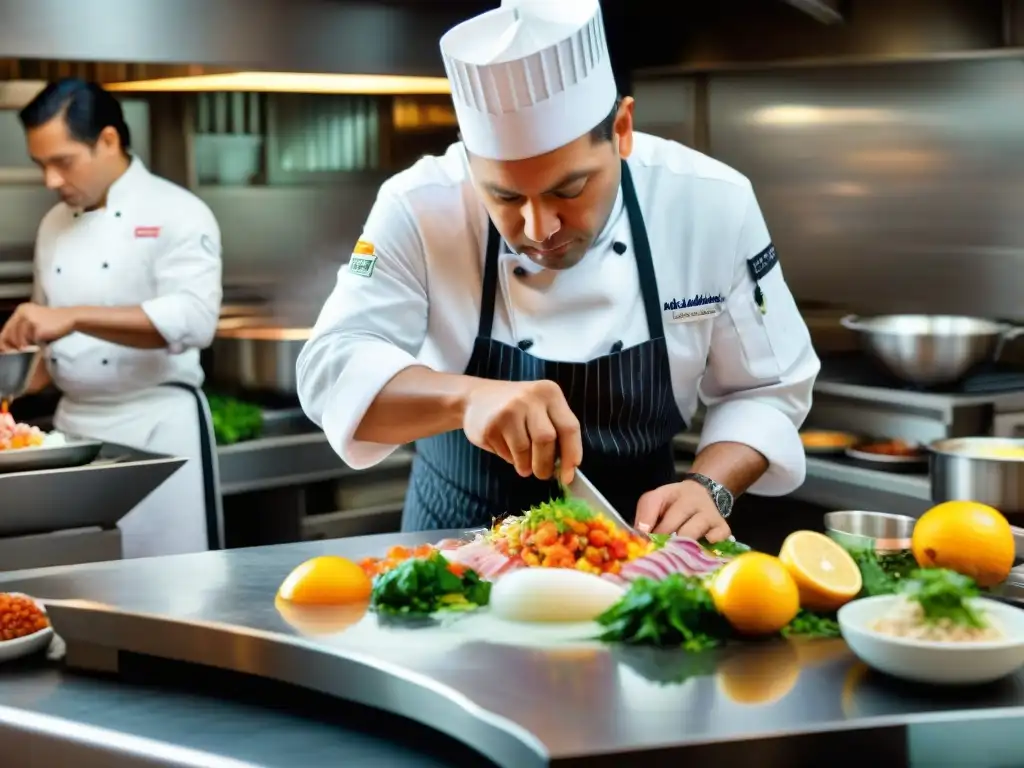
(623, 400)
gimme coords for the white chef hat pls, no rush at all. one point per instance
(529, 77)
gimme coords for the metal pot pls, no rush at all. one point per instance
(256, 355)
(989, 470)
(930, 350)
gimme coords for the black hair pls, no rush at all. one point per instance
(86, 108)
(605, 130)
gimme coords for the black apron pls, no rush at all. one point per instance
(211, 473)
(624, 402)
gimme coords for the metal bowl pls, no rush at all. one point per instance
(988, 470)
(880, 531)
(257, 355)
(930, 350)
(16, 369)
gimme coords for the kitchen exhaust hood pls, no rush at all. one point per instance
(825, 11)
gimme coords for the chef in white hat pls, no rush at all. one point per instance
(559, 286)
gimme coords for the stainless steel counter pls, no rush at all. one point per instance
(794, 704)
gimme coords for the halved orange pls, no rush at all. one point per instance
(824, 572)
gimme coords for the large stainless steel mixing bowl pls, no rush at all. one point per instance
(16, 369)
(930, 350)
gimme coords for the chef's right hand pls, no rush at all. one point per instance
(529, 424)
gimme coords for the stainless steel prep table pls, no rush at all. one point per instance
(792, 704)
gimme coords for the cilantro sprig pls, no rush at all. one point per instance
(943, 594)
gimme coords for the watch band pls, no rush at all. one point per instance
(720, 495)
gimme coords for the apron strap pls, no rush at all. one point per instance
(490, 288)
(644, 266)
(644, 260)
(211, 473)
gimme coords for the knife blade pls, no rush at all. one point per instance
(581, 488)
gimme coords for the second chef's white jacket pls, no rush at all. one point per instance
(155, 245)
(411, 296)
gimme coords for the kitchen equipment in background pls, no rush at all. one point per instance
(885, 533)
(817, 441)
(16, 369)
(931, 350)
(988, 470)
(256, 355)
(890, 456)
(232, 160)
(74, 453)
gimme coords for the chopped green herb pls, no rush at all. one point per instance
(559, 512)
(809, 624)
(882, 572)
(675, 612)
(659, 540)
(233, 420)
(425, 585)
(943, 594)
(725, 548)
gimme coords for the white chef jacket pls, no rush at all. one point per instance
(419, 302)
(155, 245)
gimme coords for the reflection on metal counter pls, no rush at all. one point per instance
(518, 706)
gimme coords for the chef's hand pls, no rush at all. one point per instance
(528, 424)
(33, 324)
(684, 508)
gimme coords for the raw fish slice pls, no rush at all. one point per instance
(679, 555)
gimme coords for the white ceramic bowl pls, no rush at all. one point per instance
(923, 661)
(25, 646)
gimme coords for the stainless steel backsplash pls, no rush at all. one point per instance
(887, 188)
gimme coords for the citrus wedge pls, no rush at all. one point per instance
(824, 572)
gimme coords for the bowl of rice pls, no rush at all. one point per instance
(981, 642)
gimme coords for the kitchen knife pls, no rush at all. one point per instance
(581, 488)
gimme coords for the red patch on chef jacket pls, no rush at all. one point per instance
(147, 232)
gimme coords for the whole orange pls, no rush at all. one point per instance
(756, 594)
(326, 580)
(967, 537)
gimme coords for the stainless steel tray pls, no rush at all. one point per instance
(97, 494)
(74, 453)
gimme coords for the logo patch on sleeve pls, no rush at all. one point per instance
(763, 263)
(364, 248)
(759, 266)
(362, 265)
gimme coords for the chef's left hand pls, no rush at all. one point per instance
(684, 508)
(35, 324)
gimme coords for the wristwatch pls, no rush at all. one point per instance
(719, 494)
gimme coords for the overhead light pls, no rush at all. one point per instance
(290, 82)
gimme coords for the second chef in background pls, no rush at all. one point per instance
(559, 285)
(127, 291)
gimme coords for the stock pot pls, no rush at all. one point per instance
(989, 470)
(256, 355)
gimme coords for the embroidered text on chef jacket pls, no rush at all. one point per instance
(155, 245)
(411, 296)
